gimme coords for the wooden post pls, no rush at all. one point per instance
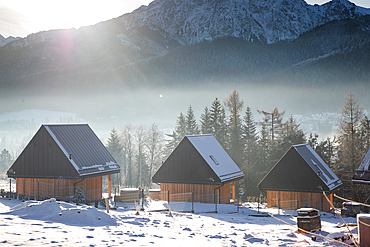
(107, 204)
(168, 197)
(109, 184)
(234, 192)
(215, 200)
(331, 198)
(192, 202)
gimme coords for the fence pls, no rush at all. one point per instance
(177, 202)
(188, 202)
(296, 204)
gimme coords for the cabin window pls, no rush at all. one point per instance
(214, 159)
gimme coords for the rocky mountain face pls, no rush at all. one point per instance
(178, 42)
(4, 41)
(268, 21)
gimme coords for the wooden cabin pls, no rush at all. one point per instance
(199, 168)
(299, 179)
(362, 174)
(61, 158)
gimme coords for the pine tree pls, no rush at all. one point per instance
(191, 123)
(250, 138)
(215, 115)
(171, 144)
(290, 135)
(177, 135)
(263, 162)
(223, 134)
(180, 128)
(273, 121)
(205, 122)
(327, 151)
(250, 141)
(219, 123)
(115, 148)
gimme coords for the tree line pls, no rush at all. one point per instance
(254, 146)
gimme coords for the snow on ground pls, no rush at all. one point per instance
(53, 223)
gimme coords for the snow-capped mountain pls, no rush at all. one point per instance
(173, 41)
(269, 21)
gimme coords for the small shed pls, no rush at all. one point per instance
(298, 179)
(362, 174)
(61, 158)
(198, 165)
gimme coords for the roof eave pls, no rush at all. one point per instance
(97, 174)
(359, 181)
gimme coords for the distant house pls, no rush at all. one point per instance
(298, 179)
(61, 158)
(198, 165)
(362, 175)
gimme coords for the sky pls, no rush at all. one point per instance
(23, 17)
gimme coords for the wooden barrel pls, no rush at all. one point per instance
(363, 221)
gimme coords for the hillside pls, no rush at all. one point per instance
(180, 46)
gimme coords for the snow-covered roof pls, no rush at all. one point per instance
(64, 150)
(301, 169)
(365, 163)
(362, 174)
(216, 157)
(318, 165)
(198, 159)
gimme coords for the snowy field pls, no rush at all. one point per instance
(53, 223)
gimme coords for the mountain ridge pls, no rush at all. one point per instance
(155, 45)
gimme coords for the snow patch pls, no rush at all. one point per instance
(62, 212)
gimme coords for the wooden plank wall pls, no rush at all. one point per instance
(201, 193)
(59, 187)
(292, 200)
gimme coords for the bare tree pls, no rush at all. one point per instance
(141, 164)
(154, 144)
(350, 150)
(127, 155)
